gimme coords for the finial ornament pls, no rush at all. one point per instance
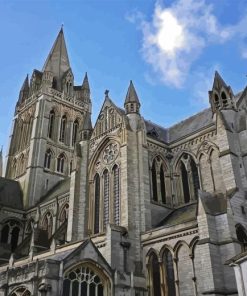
(106, 93)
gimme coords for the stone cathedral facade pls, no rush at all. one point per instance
(126, 207)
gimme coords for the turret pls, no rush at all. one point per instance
(87, 127)
(132, 104)
(221, 95)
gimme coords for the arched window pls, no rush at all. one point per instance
(96, 202)
(224, 99)
(47, 224)
(60, 163)
(64, 213)
(51, 124)
(154, 181)
(169, 273)
(14, 237)
(195, 177)
(216, 101)
(242, 236)
(5, 234)
(47, 162)
(116, 195)
(154, 272)
(83, 280)
(106, 197)
(75, 132)
(22, 291)
(162, 185)
(185, 183)
(63, 129)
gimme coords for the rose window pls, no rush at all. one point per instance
(110, 153)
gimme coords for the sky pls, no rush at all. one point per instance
(170, 49)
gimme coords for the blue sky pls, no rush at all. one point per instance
(170, 49)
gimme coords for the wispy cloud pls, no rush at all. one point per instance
(176, 36)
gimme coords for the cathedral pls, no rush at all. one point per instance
(125, 207)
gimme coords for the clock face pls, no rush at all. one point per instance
(110, 153)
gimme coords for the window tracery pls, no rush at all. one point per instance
(75, 132)
(106, 197)
(63, 129)
(51, 124)
(116, 195)
(48, 157)
(47, 224)
(96, 202)
(82, 280)
(10, 233)
(22, 291)
(61, 163)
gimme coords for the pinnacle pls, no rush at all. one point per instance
(131, 96)
(85, 83)
(218, 81)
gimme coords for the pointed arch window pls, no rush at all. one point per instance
(154, 273)
(63, 129)
(216, 101)
(195, 177)
(106, 197)
(185, 183)
(154, 182)
(224, 99)
(5, 234)
(48, 224)
(48, 156)
(15, 237)
(51, 124)
(162, 185)
(61, 163)
(64, 214)
(116, 195)
(169, 273)
(242, 236)
(96, 202)
(21, 292)
(75, 132)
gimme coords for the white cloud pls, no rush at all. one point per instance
(176, 36)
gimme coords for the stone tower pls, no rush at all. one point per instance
(48, 124)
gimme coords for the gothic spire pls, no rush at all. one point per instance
(57, 61)
(132, 103)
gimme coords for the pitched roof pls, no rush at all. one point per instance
(10, 193)
(58, 60)
(181, 215)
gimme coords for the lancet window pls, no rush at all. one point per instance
(224, 99)
(75, 132)
(10, 233)
(242, 236)
(154, 275)
(48, 157)
(83, 280)
(61, 163)
(63, 129)
(189, 178)
(47, 224)
(51, 124)
(158, 181)
(106, 196)
(116, 195)
(96, 202)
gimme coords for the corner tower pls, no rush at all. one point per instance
(48, 123)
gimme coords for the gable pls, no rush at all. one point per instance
(110, 117)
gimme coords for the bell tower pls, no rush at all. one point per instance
(48, 124)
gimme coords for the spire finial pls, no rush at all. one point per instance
(107, 93)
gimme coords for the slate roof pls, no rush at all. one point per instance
(181, 215)
(10, 193)
(60, 188)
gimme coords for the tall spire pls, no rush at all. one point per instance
(85, 83)
(132, 103)
(57, 61)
